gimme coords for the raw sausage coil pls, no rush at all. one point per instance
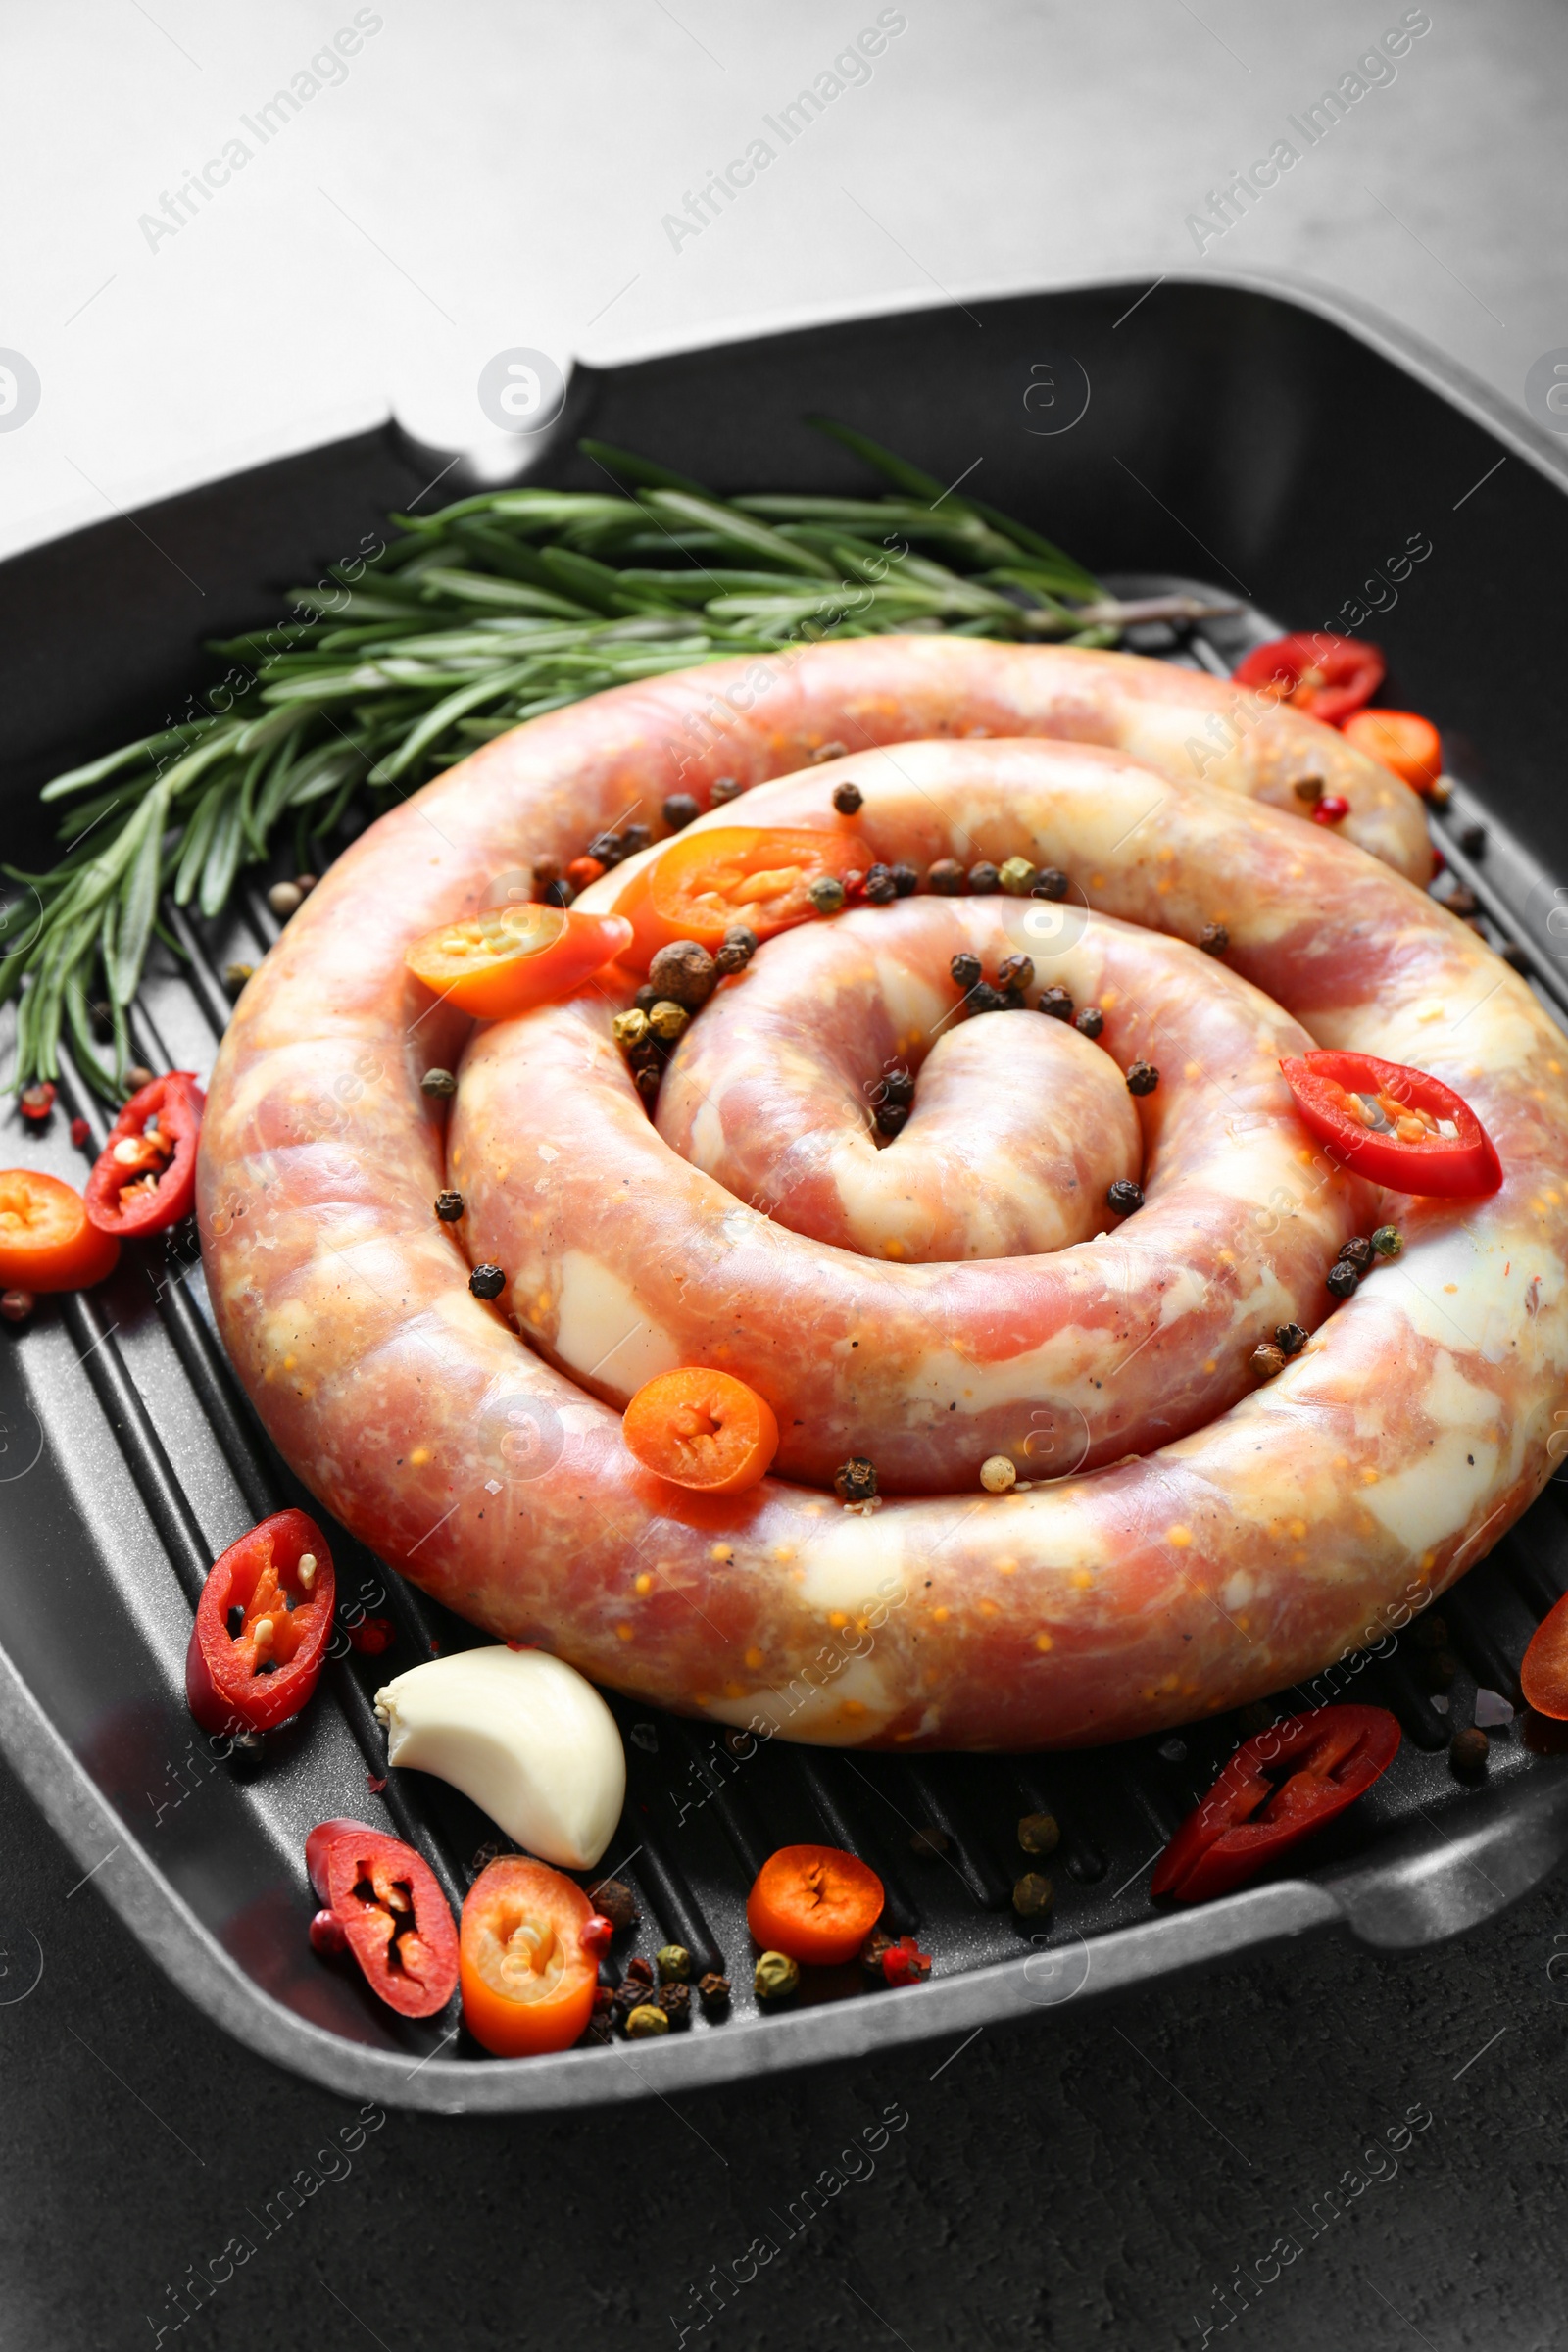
(1185, 1540)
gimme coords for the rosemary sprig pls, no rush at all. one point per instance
(502, 607)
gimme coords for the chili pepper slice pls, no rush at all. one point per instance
(1396, 1126)
(814, 1903)
(144, 1178)
(1278, 1788)
(498, 964)
(701, 885)
(47, 1242)
(529, 1962)
(1544, 1675)
(1326, 676)
(393, 1913)
(1398, 740)
(258, 1675)
(704, 1430)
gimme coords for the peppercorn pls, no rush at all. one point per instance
(848, 799)
(741, 940)
(634, 838)
(638, 1970)
(597, 2033)
(1089, 1022)
(545, 870)
(826, 894)
(983, 878)
(16, 1305)
(775, 1977)
(327, 1933)
(1015, 971)
(1290, 1339)
(903, 1962)
(826, 751)
(629, 1028)
(1033, 1894)
(1438, 1669)
(646, 2021)
(607, 848)
(1472, 839)
(1038, 1833)
(944, 878)
(449, 1207)
(906, 879)
(679, 811)
(1308, 789)
(646, 1082)
(1467, 1752)
(675, 2000)
(872, 1953)
(1356, 1253)
(880, 887)
(285, 899)
(891, 1118)
(673, 1963)
(235, 976)
(1342, 1279)
(965, 969)
(613, 1900)
(1142, 1077)
(899, 1086)
(668, 1019)
(1430, 1631)
(723, 789)
(732, 957)
(439, 1085)
(306, 883)
(1055, 1002)
(1124, 1197)
(556, 894)
(1268, 1361)
(998, 1474)
(1213, 939)
(1330, 809)
(1050, 883)
(80, 1134)
(929, 1843)
(855, 1481)
(983, 998)
(487, 1282)
(684, 972)
(1387, 1241)
(136, 1077)
(1016, 876)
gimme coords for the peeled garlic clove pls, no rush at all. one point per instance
(521, 1733)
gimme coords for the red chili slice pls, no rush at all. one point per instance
(1326, 676)
(255, 1677)
(393, 1913)
(1369, 1114)
(1276, 1789)
(1544, 1675)
(145, 1176)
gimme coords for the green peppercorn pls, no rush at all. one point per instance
(848, 799)
(1055, 1002)
(1213, 939)
(1038, 1833)
(673, 1963)
(449, 1207)
(1356, 1253)
(965, 969)
(775, 1977)
(668, 1019)
(983, 878)
(1033, 1894)
(646, 2021)
(629, 1028)
(1089, 1022)
(1125, 1196)
(1016, 876)
(946, 878)
(487, 1282)
(684, 972)
(826, 894)
(1387, 1241)
(439, 1085)
(855, 1481)
(1290, 1339)
(1142, 1077)
(1342, 1279)
(679, 811)
(1467, 1752)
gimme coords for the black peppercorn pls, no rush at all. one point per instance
(1213, 939)
(880, 887)
(646, 1081)
(1467, 1753)
(607, 848)
(634, 838)
(1513, 952)
(449, 1207)
(556, 894)
(1290, 1339)
(683, 973)
(873, 1951)
(897, 1087)
(1050, 883)
(946, 878)
(848, 799)
(439, 1085)
(740, 946)
(648, 997)
(613, 1900)
(679, 811)
(1142, 1077)
(1055, 1002)
(891, 1118)
(675, 2000)
(905, 880)
(712, 1991)
(1356, 1253)
(855, 1480)
(545, 870)
(826, 751)
(983, 998)
(487, 1282)
(1342, 1280)
(965, 969)
(984, 879)
(1124, 1195)
(1015, 971)
(1472, 839)
(1089, 1022)
(723, 789)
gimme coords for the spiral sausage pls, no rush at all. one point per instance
(1256, 1536)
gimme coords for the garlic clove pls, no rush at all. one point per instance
(523, 1735)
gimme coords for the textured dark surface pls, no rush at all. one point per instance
(1085, 2179)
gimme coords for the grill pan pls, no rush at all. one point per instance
(1253, 439)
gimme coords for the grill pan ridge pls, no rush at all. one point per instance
(129, 1458)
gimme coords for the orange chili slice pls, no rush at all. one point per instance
(704, 884)
(704, 1430)
(500, 962)
(1400, 741)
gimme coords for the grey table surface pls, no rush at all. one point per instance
(480, 177)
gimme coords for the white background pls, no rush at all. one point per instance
(490, 175)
